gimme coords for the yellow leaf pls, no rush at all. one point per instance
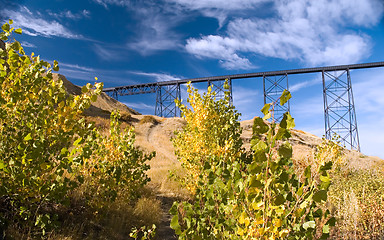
(242, 218)
(257, 205)
(277, 222)
(259, 221)
(283, 233)
(240, 231)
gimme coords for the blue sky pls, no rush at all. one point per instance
(125, 42)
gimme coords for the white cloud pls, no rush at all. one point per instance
(105, 3)
(108, 52)
(70, 15)
(36, 26)
(217, 8)
(314, 32)
(218, 4)
(155, 22)
(159, 77)
(217, 47)
(155, 30)
(88, 74)
(140, 106)
(28, 44)
(303, 84)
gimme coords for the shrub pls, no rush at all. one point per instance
(48, 151)
(38, 125)
(149, 119)
(241, 196)
(114, 167)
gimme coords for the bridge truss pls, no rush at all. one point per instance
(339, 107)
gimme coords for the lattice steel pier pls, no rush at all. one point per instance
(273, 88)
(339, 108)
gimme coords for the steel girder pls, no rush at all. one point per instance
(274, 86)
(165, 100)
(339, 108)
(131, 90)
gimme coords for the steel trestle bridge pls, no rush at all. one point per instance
(339, 107)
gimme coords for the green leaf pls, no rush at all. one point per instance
(28, 137)
(326, 229)
(55, 66)
(265, 109)
(285, 97)
(326, 166)
(279, 199)
(2, 165)
(307, 172)
(325, 178)
(175, 225)
(254, 182)
(267, 116)
(93, 98)
(5, 27)
(331, 221)
(288, 122)
(18, 31)
(320, 195)
(285, 150)
(309, 224)
(260, 147)
(259, 126)
(84, 89)
(282, 134)
(77, 142)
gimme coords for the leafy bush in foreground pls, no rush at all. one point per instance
(241, 196)
(48, 151)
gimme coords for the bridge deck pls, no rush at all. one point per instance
(251, 75)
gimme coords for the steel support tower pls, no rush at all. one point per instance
(219, 88)
(339, 108)
(274, 86)
(165, 100)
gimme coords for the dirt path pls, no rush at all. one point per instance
(155, 136)
(164, 231)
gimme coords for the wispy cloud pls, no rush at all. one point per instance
(88, 74)
(303, 84)
(159, 77)
(106, 3)
(155, 25)
(37, 26)
(140, 106)
(70, 15)
(28, 44)
(314, 32)
(217, 47)
(217, 8)
(108, 52)
(155, 29)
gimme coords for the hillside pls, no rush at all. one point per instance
(104, 104)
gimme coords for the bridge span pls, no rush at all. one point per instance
(339, 108)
